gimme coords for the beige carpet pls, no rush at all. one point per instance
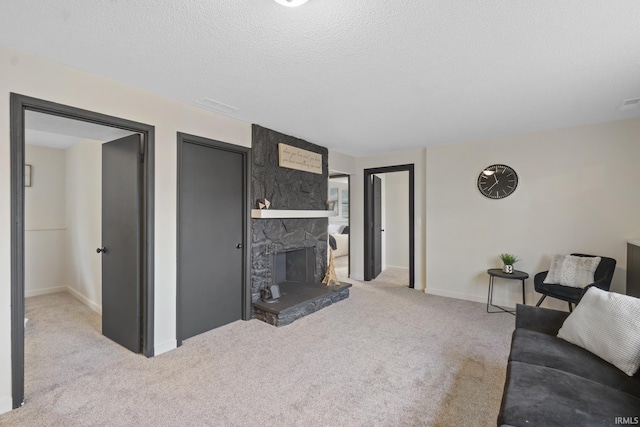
(390, 276)
(387, 356)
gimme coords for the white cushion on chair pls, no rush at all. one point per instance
(578, 271)
(553, 276)
(608, 325)
(571, 270)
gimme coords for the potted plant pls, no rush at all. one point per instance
(508, 260)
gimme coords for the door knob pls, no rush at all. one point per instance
(104, 250)
(239, 246)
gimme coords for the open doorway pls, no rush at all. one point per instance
(25, 109)
(339, 223)
(386, 206)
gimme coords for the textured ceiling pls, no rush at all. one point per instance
(358, 76)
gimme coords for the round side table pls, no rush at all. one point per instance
(497, 272)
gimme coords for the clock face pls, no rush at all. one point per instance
(497, 181)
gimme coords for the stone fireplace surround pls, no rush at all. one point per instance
(294, 190)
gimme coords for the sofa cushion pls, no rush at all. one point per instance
(608, 325)
(552, 352)
(539, 319)
(539, 396)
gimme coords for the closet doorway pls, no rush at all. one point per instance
(139, 160)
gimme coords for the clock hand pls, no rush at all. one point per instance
(489, 189)
(495, 177)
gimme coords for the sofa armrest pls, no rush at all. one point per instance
(538, 319)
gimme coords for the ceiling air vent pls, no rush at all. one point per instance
(212, 104)
(628, 104)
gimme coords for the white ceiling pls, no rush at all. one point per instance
(47, 130)
(358, 76)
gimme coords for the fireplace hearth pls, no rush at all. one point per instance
(298, 300)
(300, 294)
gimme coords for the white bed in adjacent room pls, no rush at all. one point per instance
(341, 240)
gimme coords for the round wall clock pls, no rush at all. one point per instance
(497, 181)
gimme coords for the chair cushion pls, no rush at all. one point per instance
(565, 293)
(539, 396)
(552, 352)
(608, 325)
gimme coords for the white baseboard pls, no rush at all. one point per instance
(467, 297)
(45, 291)
(6, 404)
(398, 268)
(164, 347)
(86, 301)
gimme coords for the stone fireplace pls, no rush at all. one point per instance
(279, 244)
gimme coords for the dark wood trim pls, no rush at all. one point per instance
(17, 250)
(368, 238)
(18, 105)
(246, 232)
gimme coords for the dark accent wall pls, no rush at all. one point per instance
(285, 189)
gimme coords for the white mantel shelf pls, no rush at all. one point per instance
(284, 213)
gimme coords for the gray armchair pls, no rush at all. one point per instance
(602, 279)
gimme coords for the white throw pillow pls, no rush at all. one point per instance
(578, 271)
(553, 276)
(571, 270)
(608, 325)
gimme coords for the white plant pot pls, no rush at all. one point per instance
(507, 268)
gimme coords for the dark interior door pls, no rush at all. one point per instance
(211, 192)
(121, 241)
(377, 227)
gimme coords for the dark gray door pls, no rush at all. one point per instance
(377, 226)
(211, 191)
(121, 241)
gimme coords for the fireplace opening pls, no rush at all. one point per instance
(295, 266)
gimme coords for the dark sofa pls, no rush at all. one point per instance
(551, 382)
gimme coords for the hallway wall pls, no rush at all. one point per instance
(45, 223)
(84, 219)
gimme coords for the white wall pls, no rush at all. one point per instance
(577, 193)
(45, 225)
(342, 163)
(84, 221)
(36, 77)
(396, 224)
